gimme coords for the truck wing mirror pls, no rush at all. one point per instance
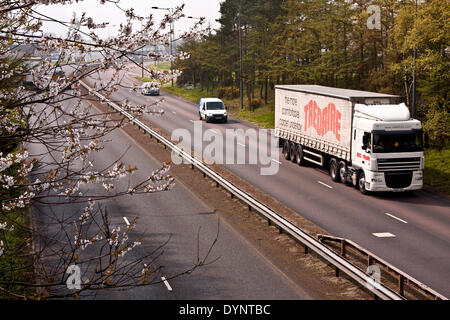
(365, 139)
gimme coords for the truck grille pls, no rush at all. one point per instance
(398, 180)
(387, 165)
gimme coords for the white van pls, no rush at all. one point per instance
(212, 109)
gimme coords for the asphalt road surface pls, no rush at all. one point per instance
(410, 231)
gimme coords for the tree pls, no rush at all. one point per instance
(430, 35)
(68, 131)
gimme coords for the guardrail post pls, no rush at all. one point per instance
(401, 285)
(343, 248)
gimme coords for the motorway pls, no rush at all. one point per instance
(241, 271)
(410, 231)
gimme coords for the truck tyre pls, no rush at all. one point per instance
(334, 170)
(200, 116)
(343, 172)
(287, 150)
(299, 156)
(293, 151)
(361, 183)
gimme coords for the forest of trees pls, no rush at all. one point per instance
(328, 42)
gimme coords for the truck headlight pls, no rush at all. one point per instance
(378, 178)
(418, 176)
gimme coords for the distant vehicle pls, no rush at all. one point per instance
(59, 76)
(150, 88)
(54, 57)
(366, 139)
(212, 109)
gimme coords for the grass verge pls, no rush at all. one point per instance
(263, 116)
(437, 169)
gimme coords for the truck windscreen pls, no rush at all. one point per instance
(215, 106)
(390, 142)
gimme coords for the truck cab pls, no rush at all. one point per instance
(212, 109)
(387, 149)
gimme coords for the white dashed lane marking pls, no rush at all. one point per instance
(324, 184)
(384, 235)
(396, 218)
(166, 283)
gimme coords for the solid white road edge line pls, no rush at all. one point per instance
(166, 283)
(396, 218)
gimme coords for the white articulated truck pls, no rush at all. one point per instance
(366, 139)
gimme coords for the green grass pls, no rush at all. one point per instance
(163, 66)
(437, 169)
(263, 116)
(193, 95)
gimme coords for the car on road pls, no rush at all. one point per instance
(212, 109)
(150, 88)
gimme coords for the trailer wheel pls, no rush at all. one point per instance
(293, 151)
(361, 183)
(287, 150)
(334, 170)
(343, 172)
(299, 156)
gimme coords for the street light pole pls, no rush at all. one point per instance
(171, 38)
(142, 55)
(414, 88)
(241, 83)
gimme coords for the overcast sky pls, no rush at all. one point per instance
(110, 13)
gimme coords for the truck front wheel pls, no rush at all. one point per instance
(362, 183)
